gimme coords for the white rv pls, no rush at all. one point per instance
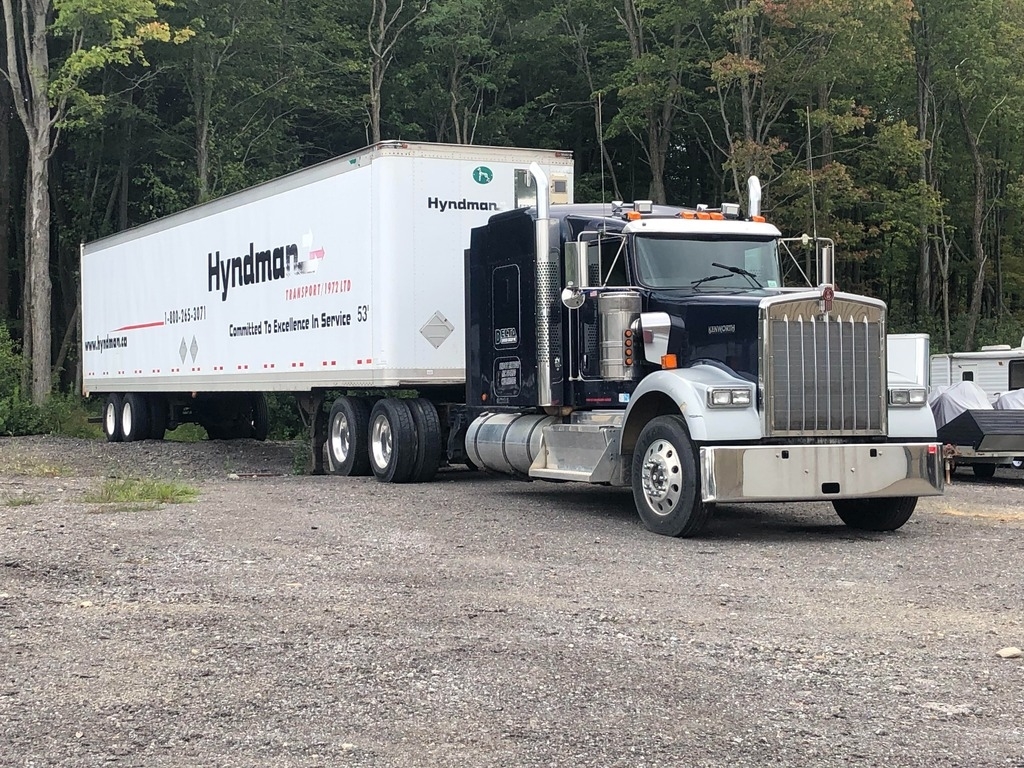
(996, 369)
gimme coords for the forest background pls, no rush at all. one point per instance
(893, 126)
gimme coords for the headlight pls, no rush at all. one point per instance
(914, 397)
(729, 397)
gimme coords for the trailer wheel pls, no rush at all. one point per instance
(665, 486)
(876, 514)
(134, 417)
(157, 417)
(112, 418)
(392, 441)
(428, 440)
(348, 446)
(260, 417)
(984, 471)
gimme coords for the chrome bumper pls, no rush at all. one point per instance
(820, 472)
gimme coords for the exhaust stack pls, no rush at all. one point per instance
(753, 197)
(547, 291)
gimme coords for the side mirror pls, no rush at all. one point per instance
(572, 297)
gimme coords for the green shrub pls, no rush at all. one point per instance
(17, 414)
(69, 415)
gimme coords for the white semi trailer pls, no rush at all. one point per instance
(348, 274)
(623, 344)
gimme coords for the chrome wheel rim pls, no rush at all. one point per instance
(382, 442)
(661, 477)
(341, 438)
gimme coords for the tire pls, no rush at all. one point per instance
(428, 440)
(392, 438)
(984, 471)
(112, 418)
(665, 486)
(134, 417)
(260, 417)
(348, 444)
(157, 417)
(886, 514)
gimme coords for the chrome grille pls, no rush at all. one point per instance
(825, 373)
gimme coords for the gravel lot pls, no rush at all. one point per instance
(478, 621)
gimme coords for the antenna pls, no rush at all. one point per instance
(600, 145)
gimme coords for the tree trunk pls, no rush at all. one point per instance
(977, 224)
(6, 196)
(37, 249)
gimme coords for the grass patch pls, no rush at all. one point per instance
(20, 499)
(133, 491)
(186, 433)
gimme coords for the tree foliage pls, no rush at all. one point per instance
(891, 125)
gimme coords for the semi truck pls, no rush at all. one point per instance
(458, 307)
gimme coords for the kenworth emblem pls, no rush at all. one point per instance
(482, 174)
(828, 294)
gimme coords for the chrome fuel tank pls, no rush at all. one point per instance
(506, 442)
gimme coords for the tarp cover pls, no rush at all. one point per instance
(962, 396)
(1012, 400)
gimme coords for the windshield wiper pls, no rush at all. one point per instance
(695, 283)
(734, 270)
(740, 271)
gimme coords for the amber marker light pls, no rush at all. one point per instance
(669, 361)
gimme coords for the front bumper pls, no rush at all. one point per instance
(820, 472)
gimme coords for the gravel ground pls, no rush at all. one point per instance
(478, 621)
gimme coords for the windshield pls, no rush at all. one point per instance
(674, 262)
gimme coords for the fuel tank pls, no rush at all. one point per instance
(506, 442)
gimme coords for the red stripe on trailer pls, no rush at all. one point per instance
(140, 325)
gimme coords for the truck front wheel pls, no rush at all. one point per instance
(347, 442)
(876, 514)
(665, 486)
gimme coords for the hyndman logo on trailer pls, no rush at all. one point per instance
(258, 266)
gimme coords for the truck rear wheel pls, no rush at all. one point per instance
(112, 418)
(392, 441)
(665, 486)
(134, 417)
(428, 440)
(348, 443)
(876, 514)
